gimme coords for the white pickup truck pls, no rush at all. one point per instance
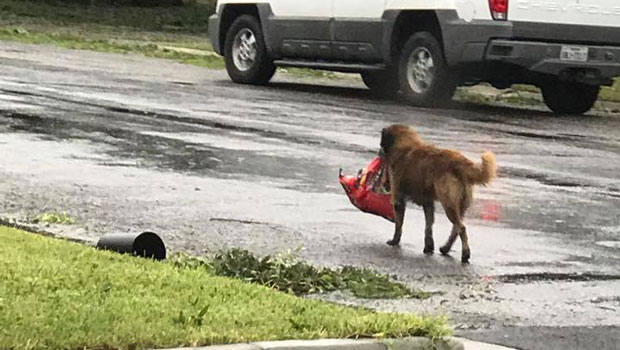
(424, 49)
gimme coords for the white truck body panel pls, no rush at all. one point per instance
(355, 9)
(221, 3)
(312, 8)
(420, 4)
(582, 12)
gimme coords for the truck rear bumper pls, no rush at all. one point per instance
(603, 62)
(518, 44)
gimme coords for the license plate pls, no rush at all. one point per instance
(574, 53)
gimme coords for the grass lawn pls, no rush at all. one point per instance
(56, 294)
(178, 33)
(122, 21)
(611, 93)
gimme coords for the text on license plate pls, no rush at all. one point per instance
(574, 53)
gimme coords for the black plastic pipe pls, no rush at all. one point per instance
(145, 244)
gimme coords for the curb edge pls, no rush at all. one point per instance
(411, 343)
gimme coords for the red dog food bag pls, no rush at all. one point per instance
(369, 190)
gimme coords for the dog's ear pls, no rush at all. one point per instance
(387, 140)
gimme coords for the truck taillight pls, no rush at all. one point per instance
(499, 9)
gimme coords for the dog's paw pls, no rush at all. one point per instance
(393, 243)
(444, 250)
(465, 257)
(429, 250)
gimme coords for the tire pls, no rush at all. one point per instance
(383, 84)
(432, 84)
(245, 53)
(569, 98)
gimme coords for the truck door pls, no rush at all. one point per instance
(358, 30)
(301, 28)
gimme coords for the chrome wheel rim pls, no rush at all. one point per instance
(244, 50)
(420, 70)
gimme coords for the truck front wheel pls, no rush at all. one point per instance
(424, 76)
(245, 53)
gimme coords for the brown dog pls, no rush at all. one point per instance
(424, 174)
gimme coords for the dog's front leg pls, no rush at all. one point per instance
(400, 205)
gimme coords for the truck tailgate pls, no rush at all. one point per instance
(600, 13)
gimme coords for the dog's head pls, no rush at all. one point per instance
(397, 135)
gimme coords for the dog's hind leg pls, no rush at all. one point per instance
(465, 203)
(429, 215)
(458, 230)
(399, 216)
(449, 193)
(457, 226)
(465, 251)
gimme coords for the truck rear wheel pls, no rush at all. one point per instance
(568, 97)
(245, 53)
(425, 78)
(382, 83)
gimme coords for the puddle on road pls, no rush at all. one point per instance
(237, 142)
(210, 153)
(218, 125)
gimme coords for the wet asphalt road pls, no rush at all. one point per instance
(125, 143)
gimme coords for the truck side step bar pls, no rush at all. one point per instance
(332, 66)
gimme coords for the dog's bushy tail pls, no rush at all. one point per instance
(484, 172)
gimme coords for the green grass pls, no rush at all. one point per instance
(611, 93)
(153, 32)
(192, 19)
(515, 98)
(526, 88)
(60, 295)
(148, 49)
(55, 218)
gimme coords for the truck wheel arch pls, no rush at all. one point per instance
(230, 12)
(402, 24)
